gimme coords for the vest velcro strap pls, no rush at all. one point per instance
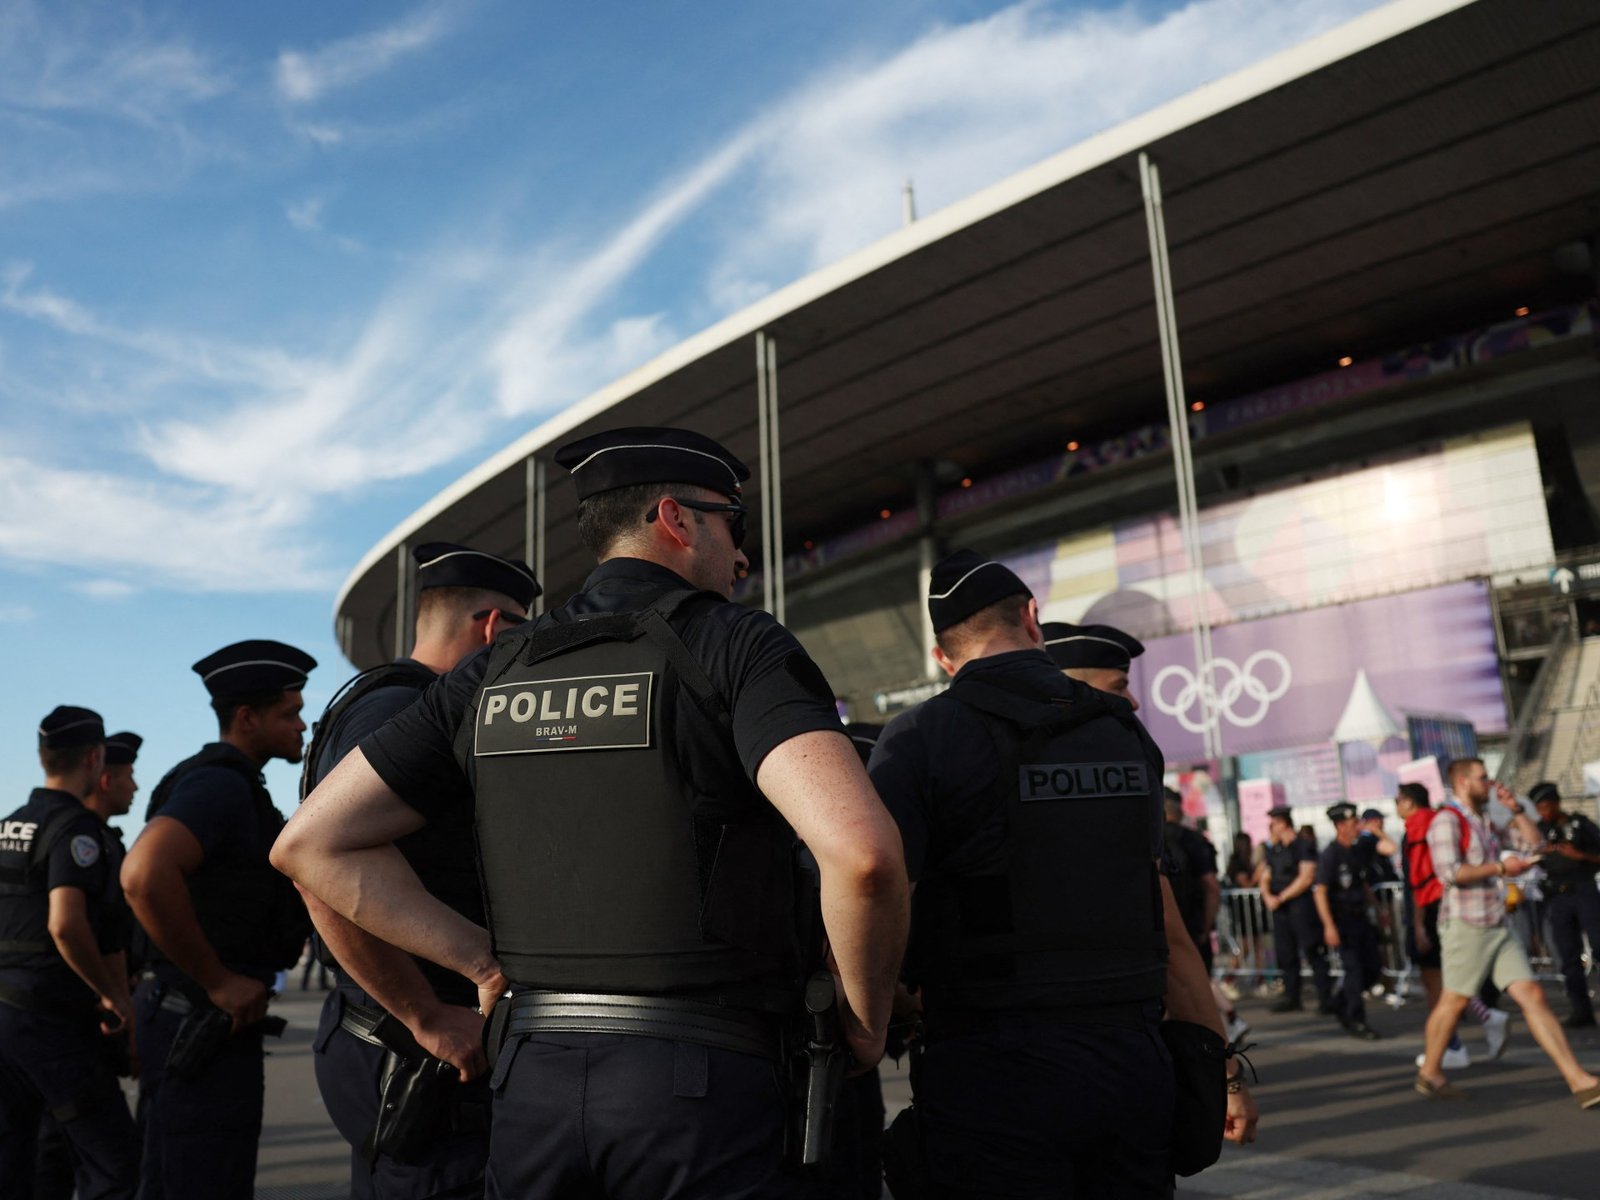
(28, 948)
(643, 1016)
(18, 998)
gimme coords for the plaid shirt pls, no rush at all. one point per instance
(1482, 903)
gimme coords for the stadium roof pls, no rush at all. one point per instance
(1415, 168)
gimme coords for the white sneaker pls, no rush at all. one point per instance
(1496, 1030)
(1229, 990)
(1455, 1058)
(1237, 1027)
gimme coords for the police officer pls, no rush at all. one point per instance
(221, 923)
(1099, 655)
(1343, 894)
(59, 993)
(1043, 940)
(387, 1005)
(1572, 903)
(1378, 847)
(641, 761)
(112, 797)
(1286, 877)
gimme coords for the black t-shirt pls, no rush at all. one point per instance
(1584, 835)
(1345, 872)
(1284, 862)
(1380, 869)
(935, 765)
(369, 712)
(772, 688)
(76, 859)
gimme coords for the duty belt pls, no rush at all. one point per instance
(665, 1017)
(375, 1027)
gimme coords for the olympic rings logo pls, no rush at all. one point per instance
(1219, 689)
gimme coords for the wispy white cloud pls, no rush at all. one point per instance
(107, 589)
(15, 613)
(304, 76)
(305, 215)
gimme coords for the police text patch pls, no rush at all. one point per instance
(586, 712)
(1082, 781)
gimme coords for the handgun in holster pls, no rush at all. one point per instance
(417, 1096)
(826, 1057)
(204, 1032)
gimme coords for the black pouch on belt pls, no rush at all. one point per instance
(201, 1035)
(1200, 1094)
(415, 1098)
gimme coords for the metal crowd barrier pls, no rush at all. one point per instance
(1245, 950)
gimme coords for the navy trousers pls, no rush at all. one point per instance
(200, 1134)
(348, 1071)
(595, 1116)
(1036, 1111)
(1297, 933)
(1358, 954)
(50, 1061)
(1570, 916)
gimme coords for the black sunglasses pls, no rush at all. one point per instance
(738, 526)
(505, 617)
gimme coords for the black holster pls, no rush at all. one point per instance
(817, 1070)
(1200, 1094)
(202, 1033)
(416, 1098)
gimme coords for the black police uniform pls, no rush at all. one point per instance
(349, 1046)
(200, 1134)
(52, 1058)
(1296, 928)
(1345, 872)
(1189, 859)
(1572, 905)
(597, 867)
(1380, 867)
(1031, 810)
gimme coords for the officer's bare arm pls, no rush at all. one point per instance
(154, 879)
(817, 782)
(390, 976)
(68, 923)
(339, 847)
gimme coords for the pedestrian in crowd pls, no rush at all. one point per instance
(1243, 862)
(647, 940)
(221, 924)
(1473, 938)
(1423, 894)
(1343, 896)
(63, 981)
(1019, 791)
(388, 1007)
(1308, 834)
(1572, 902)
(1374, 843)
(112, 797)
(1286, 877)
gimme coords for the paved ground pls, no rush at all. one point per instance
(1340, 1121)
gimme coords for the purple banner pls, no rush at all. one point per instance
(1358, 669)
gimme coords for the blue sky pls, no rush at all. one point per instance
(271, 275)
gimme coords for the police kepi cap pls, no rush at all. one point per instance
(1371, 814)
(1544, 790)
(445, 564)
(122, 748)
(1090, 646)
(1283, 813)
(246, 668)
(637, 455)
(964, 582)
(1341, 812)
(69, 726)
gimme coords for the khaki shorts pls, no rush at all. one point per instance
(1472, 955)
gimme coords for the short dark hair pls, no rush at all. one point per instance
(1458, 769)
(63, 759)
(1415, 793)
(226, 707)
(607, 516)
(1001, 615)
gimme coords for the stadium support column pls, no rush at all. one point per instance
(770, 464)
(1182, 452)
(927, 555)
(402, 599)
(534, 481)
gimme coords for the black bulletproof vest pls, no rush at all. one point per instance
(1055, 900)
(1283, 865)
(443, 856)
(1187, 889)
(623, 850)
(251, 914)
(25, 939)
